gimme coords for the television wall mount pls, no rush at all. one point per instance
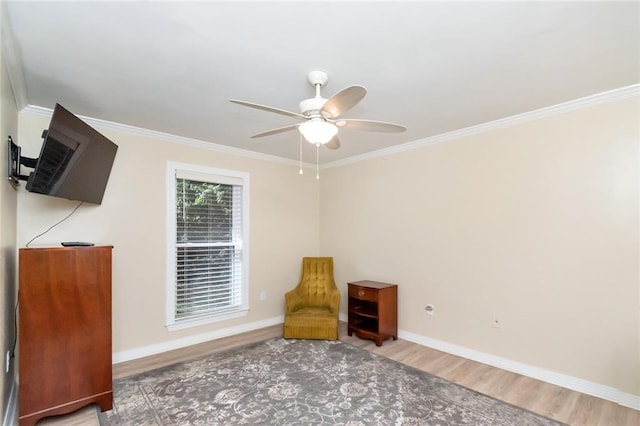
(16, 161)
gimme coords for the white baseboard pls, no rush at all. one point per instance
(629, 400)
(144, 351)
(11, 411)
(558, 379)
(580, 385)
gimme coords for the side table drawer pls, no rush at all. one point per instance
(363, 293)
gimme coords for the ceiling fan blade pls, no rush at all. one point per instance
(343, 101)
(334, 143)
(370, 125)
(275, 131)
(270, 109)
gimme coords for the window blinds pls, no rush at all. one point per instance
(208, 245)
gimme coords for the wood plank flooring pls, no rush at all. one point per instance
(543, 398)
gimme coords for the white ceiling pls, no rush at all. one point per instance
(434, 67)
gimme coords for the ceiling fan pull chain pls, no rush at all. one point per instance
(317, 161)
(301, 172)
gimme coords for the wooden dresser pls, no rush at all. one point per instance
(373, 310)
(64, 331)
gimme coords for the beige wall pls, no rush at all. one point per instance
(284, 224)
(536, 223)
(8, 126)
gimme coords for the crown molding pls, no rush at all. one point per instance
(167, 137)
(581, 103)
(13, 62)
(585, 102)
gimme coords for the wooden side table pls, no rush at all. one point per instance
(373, 310)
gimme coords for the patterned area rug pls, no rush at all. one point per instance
(292, 382)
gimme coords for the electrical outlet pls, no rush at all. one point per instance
(497, 321)
(263, 295)
(430, 309)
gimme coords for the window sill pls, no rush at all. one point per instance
(209, 319)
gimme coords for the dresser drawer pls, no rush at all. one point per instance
(363, 293)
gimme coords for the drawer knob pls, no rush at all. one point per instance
(360, 293)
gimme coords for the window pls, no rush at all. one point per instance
(207, 245)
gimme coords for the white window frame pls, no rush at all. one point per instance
(206, 174)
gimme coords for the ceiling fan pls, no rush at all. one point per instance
(321, 117)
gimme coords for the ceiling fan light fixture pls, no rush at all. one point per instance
(318, 131)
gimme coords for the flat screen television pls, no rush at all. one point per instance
(75, 160)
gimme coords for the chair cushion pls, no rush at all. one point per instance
(311, 323)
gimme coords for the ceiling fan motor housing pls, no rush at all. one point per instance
(311, 106)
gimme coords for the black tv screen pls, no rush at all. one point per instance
(75, 160)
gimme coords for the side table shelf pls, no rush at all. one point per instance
(373, 310)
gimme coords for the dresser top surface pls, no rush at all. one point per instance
(372, 284)
(60, 248)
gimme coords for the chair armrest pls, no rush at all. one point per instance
(334, 301)
(293, 301)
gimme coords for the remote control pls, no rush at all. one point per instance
(76, 244)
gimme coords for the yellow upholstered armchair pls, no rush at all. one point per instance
(312, 307)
